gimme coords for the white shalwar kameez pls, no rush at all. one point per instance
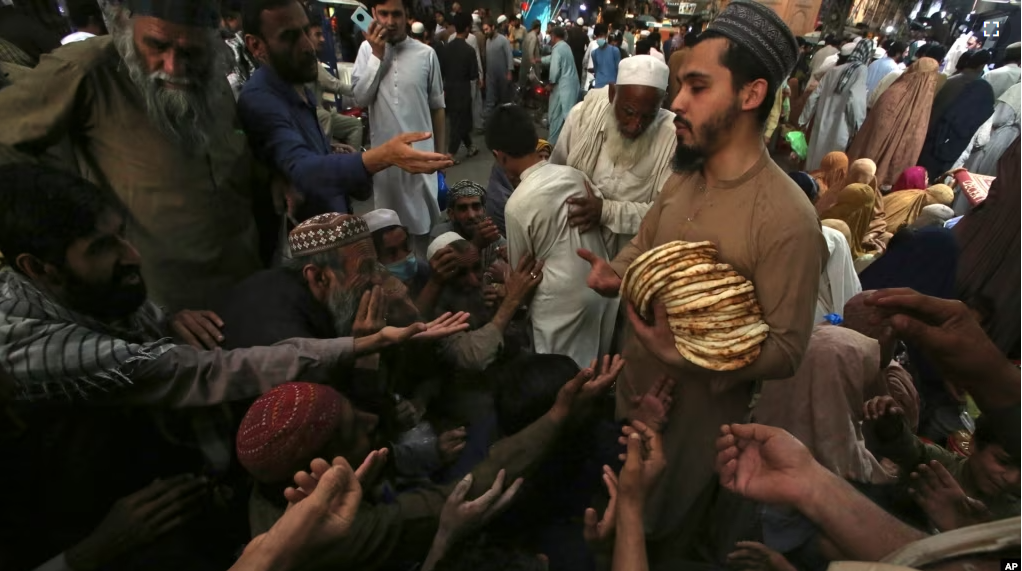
(401, 92)
(568, 318)
(628, 191)
(839, 282)
(838, 115)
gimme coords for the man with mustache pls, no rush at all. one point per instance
(466, 214)
(151, 116)
(280, 116)
(623, 139)
(399, 80)
(726, 190)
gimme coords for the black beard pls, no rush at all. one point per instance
(690, 158)
(107, 302)
(290, 72)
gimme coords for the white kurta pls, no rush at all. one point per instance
(839, 282)
(628, 191)
(401, 92)
(568, 318)
(838, 115)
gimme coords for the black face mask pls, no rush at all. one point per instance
(110, 301)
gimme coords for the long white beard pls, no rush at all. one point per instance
(187, 116)
(626, 152)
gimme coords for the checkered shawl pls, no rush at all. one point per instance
(55, 353)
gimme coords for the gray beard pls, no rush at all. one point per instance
(343, 305)
(186, 116)
(625, 152)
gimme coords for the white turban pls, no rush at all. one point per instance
(847, 49)
(418, 28)
(441, 242)
(644, 34)
(501, 19)
(476, 18)
(381, 218)
(580, 22)
(643, 70)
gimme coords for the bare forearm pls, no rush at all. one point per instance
(630, 539)
(505, 313)
(439, 130)
(857, 527)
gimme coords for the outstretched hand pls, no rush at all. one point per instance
(943, 499)
(599, 532)
(460, 517)
(199, 329)
(764, 463)
(644, 463)
(653, 407)
(577, 395)
(602, 278)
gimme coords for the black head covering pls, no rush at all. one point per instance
(195, 13)
(761, 31)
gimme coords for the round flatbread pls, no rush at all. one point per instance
(712, 303)
(720, 352)
(649, 256)
(675, 291)
(656, 274)
(722, 334)
(692, 274)
(691, 298)
(695, 324)
(734, 364)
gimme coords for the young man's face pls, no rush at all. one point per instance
(287, 44)
(394, 246)
(466, 213)
(993, 471)
(972, 43)
(706, 106)
(102, 274)
(318, 39)
(391, 15)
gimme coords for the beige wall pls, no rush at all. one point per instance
(800, 15)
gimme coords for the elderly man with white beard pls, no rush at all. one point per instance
(151, 116)
(623, 140)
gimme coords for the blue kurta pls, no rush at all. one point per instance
(564, 76)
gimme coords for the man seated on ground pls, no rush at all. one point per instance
(624, 141)
(279, 115)
(394, 250)
(399, 528)
(989, 475)
(466, 216)
(566, 318)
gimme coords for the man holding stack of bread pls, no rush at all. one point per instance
(726, 190)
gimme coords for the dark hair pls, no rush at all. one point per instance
(642, 47)
(315, 14)
(378, 237)
(832, 40)
(690, 39)
(83, 12)
(510, 130)
(462, 22)
(600, 30)
(526, 388)
(252, 14)
(745, 68)
(937, 52)
(999, 426)
(535, 25)
(484, 554)
(923, 50)
(488, 22)
(979, 59)
(43, 210)
(897, 48)
(559, 32)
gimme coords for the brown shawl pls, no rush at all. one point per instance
(854, 206)
(896, 126)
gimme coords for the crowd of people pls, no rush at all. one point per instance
(209, 361)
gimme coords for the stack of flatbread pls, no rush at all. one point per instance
(712, 310)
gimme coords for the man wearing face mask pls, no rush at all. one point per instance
(394, 251)
(604, 59)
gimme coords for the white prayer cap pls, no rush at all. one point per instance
(879, 53)
(580, 21)
(519, 16)
(441, 242)
(501, 19)
(644, 34)
(821, 43)
(418, 28)
(848, 49)
(476, 18)
(381, 218)
(643, 70)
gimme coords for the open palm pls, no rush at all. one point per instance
(762, 463)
